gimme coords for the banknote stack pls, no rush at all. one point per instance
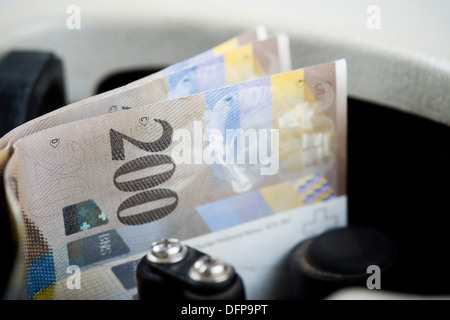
(230, 151)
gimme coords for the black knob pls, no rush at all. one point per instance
(339, 258)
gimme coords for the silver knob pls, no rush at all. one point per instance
(210, 270)
(166, 251)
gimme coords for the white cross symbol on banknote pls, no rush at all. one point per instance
(85, 226)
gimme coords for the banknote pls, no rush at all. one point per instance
(223, 66)
(95, 193)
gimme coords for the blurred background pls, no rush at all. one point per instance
(398, 57)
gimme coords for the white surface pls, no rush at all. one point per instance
(405, 64)
(366, 294)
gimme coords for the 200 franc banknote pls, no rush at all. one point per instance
(102, 189)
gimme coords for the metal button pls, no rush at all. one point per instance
(210, 270)
(167, 251)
